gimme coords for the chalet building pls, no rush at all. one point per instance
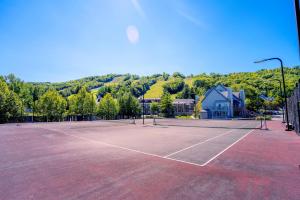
(222, 102)
(181, 106)
(184, 106)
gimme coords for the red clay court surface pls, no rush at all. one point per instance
(105, 160)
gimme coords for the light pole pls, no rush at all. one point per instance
(143, 103)
(297, 12)
(288, 128)
(282, 104)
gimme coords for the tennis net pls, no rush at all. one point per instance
(201, 123)
(102, 123)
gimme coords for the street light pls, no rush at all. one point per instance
(284, 88)
(143, 103)
(297, 12)
(280, 85)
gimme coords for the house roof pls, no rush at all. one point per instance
(214, 89)
(225, 94)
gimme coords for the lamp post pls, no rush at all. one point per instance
(280, 85)
(288, 128)
(297, 12)
(143, 103)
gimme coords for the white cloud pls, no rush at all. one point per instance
(191, 19)
(138, 8)
(133, 34)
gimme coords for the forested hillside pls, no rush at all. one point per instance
(18, 97)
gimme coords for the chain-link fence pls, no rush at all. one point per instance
(294, 108)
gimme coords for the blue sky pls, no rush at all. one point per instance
(58, 40)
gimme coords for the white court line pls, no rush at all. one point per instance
(176, 152)
(227, 148)
(154, 155)
(125, 148)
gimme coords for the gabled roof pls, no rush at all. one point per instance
(225, 94)
(226, 88)
(214, 89)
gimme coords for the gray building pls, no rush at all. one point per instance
(222, 102)
(184, 106)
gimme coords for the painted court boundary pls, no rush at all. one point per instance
(189, 147)
(163, 157)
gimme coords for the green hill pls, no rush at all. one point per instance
(178, 85)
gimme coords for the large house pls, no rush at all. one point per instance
(181, 106)
(222, 102)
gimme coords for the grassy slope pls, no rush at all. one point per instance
(156, 90)
(113, 82)
(189, 81)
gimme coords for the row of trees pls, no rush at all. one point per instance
(18, 98)
(83, 106)
(52, 106)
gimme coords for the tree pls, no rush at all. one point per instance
(52, 105)
(4, 92)
(14, 106)
(198, 107)
(166, 105)
(104, 90)
(185, 93)
(14, 83)
(83, 103)
(154, 107)
(72, 105)
(128, 105)
(108, 107)
(165, 76)
(10, 103)
(36, 92)
(203, 82)
(174, 86)
(178, 75)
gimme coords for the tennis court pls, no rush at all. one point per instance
(121, 160)
(195, 142)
